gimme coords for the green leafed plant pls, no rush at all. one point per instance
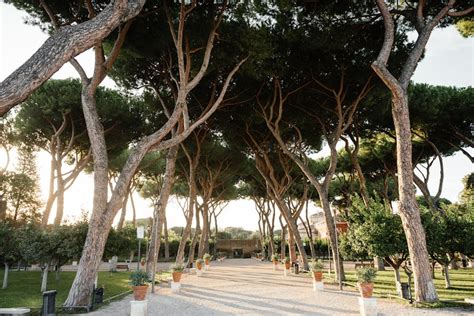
(177, 267)
(366, 275)
(138, 278)
(316, 266)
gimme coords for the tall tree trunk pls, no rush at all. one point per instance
(134, 211)
(5, 276)
(59, 191)
(187, 229)
(51, 194)
(331, 228)
(204, 244)
(408, 207)
(291, 245)
(165, 237)
(197, 232)
(160, 208)
(123, 212)
(100, 223)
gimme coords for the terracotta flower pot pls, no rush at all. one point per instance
(275, 262)
(177, 276)
(318, 276)
(366, 289)
(287, 265)
(199, 266)
(206, 261)
(139, 292)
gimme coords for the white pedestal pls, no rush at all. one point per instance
(175, 286)
(139, 308)
(207, 267)
(198, 272)
(318, 286)
(286, 272)
(368, 306)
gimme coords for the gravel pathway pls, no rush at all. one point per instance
(249, 287)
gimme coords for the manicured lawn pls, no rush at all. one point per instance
(24, 287)
(462, 282)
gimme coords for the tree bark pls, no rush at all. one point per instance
(204, 244)
(123, 212)
(447, 280)
(192, 247)
(59, 48)
(165, 237)
(59, 192)
(160, 208)
(44, 279)
(5, 276)
(51, 194)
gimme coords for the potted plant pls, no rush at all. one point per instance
(365, 278)
(207, 257)
(139, 280)
(275, 259)
(199, 263)
(177, 270)
(316, 267)
(287, 263)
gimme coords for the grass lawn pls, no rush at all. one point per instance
(462, 282)
(24, 287)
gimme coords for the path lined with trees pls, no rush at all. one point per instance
(233, 99)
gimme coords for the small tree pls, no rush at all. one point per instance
(9, 253)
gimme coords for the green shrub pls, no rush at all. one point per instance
(316, 266)
(207, 256)
(138, 278)
(366, 275)
(177, 267)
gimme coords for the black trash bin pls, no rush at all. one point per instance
(98, 295)
(405, 288)
(49, 303)
(297, 268)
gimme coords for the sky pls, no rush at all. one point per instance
(449, 61)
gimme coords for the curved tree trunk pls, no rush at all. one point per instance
(204, 243)
(44, 279)
(160, 209)
(447, 281)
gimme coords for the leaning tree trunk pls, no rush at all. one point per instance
(408, 207)
(100, 223)
(160, 208)
(5, 276)
(51, 195)
(123, 212)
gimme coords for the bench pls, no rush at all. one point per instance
(122, 266)
(221, 259)
(363, 265)
(14, 311)
(469, 300)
